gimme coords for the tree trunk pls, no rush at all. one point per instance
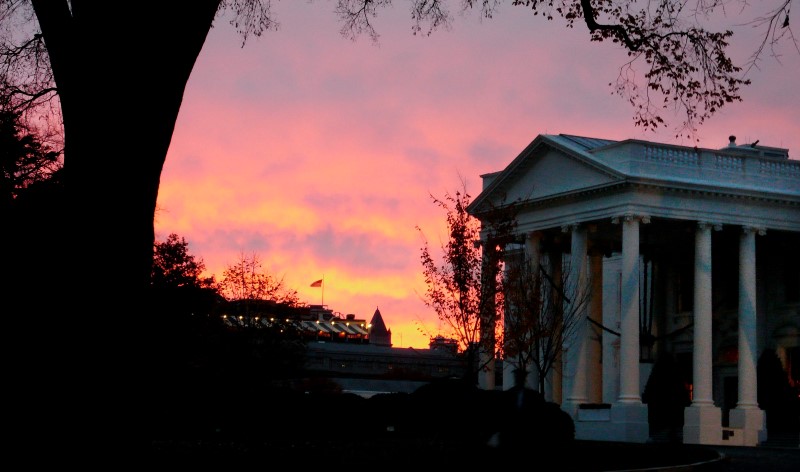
(85, 266)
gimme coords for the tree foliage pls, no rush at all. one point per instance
(180, 293)
(246, 280)
(204, 350)
(464, 283)
(775, 393)
(25, 160)
(174, 266)
(454, 285)
(676, 63)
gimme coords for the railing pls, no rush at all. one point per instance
(716, 167)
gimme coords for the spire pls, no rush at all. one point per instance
(378, 334)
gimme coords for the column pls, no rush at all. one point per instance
(576, 345)
(702, 420)
(595, 359)
(629, 313)
(747, 415)
(702, 356)
(629, 414)
(555, 374)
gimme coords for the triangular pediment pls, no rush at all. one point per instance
(545, 170)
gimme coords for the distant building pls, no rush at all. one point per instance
(353, 353)
(313, 322)
(377, 367)
(685, 251)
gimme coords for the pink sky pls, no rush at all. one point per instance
(318, 154)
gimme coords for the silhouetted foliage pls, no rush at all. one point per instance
(459, 411)
(684, 67)
(204, 358)
(31, 195)
(179, 290)
(775, 395)
(454, 286)
(246, 281)
(464, 286)
(343, 430)
(173, 266)
(25, 160)
(389, 412)
(666, 394)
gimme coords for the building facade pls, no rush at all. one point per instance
(682, 251)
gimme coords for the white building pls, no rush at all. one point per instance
(694, 252)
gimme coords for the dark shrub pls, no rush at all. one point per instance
(389, 412)
(555, 424)
(666, 395)
(526, 420)
(775, 394)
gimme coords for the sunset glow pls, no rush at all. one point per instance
(319, 154)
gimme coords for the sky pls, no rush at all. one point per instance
(319, 155)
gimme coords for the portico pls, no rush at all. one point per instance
(686, 252)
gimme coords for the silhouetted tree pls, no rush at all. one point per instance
(31, 194)
(463, 287)
(183, 299)
(174, 266)
(246, 280)
(25, 160)
(454, 285)
(205, 349)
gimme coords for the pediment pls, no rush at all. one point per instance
(544, 172)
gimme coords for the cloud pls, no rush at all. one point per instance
(320, 154)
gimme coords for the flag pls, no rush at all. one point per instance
(318, 283)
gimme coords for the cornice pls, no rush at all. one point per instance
(788, 200)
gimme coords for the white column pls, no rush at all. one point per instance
(576, 317)
(702, 422)
(595, 360)
(629, 313)
(629, 414)
(747, 415)
(747, 320)
(702, 358)
(555, 374)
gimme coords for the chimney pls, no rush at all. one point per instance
(731, 141)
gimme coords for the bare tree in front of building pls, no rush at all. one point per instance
(545, 305)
